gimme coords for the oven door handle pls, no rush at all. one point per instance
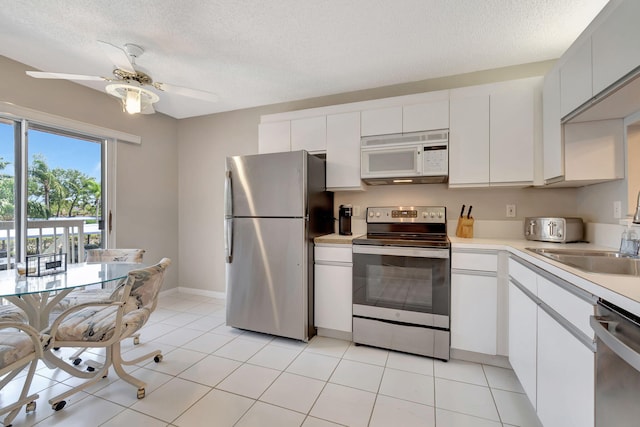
(401, 251)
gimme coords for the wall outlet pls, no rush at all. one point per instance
(356, 210)
(511, 211)
(617, 209)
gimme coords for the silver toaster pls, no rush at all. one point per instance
(554, 229)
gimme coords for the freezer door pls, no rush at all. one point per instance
(268, 185)
(267, 286)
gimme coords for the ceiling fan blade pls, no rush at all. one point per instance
(118, 57)
(45, 75)
(185, 91)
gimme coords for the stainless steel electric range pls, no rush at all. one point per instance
(401, 281)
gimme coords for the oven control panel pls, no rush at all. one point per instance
(428, 214)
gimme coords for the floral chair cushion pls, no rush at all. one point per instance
(97, 324)
(11, 313)
(115, 255)
(14, 345)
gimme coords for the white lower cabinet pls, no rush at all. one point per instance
(523, 339)
(566, 376)
(549, 350)
(474, 311)
(333, 293)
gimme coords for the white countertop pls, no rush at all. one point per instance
(621, 290)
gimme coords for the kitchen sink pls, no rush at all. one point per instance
(593, 261)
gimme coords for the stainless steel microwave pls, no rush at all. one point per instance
(407, 158)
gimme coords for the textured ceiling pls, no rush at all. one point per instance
(259, 52)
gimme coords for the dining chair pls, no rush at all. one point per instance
(81, 296)
(106, 324)
(20, 345)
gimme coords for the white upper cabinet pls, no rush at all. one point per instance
(427, 116)
(468, 138)
(594, 151)
(514, 107)
(382, 121)
(343, 151)
(274, 137)
(552, 151)
(616, 50)
(576, 78)
(309, 134)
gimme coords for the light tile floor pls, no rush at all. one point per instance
(213, 375)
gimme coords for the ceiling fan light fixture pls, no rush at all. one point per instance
(134, 99)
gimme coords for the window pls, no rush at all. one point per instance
(53, 194)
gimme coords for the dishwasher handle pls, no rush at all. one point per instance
(616, 345)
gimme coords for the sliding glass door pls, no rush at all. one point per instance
(52, 192)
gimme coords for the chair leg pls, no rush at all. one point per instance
(118, 363)
(55, 401)
(24, 398)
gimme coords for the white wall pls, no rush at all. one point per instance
(206, 141)
(147, 186)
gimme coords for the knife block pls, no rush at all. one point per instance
(465, 227)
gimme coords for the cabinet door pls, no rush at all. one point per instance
(566, 379)
(382, 121)
(512, 131)
(474, 308)
(428, 116)
(616, 50)
(576, 79)
(552, 149)
(343, 151)
(523, 339)
(274, 137)
(309, 134)
(333, 296)
(469, 140)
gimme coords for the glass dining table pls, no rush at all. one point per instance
(38, 295)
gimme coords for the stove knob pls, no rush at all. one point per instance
(432, 214)
(377, 214)
(370, 214)
(424, 214)
(439, 214)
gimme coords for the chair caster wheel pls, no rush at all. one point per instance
(31, 406)
(59, 405)
(77, 361)
(141, 393)
(157, 358)
(136, 340)
(90, 368)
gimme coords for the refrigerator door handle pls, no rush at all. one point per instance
(228, 239)
(228, 196)
(228, 217)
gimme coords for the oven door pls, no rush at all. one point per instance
(402, 284)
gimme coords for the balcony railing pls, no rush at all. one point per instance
(65, 235)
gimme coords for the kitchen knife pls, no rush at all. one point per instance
(469, 213)
(462, 211)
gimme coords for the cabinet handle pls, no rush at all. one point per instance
(616, 345)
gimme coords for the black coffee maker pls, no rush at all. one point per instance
(344, 220)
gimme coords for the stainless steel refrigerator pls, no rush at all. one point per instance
(275, 204)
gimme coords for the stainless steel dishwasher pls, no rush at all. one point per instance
(617, 366)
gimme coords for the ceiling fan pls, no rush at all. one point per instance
(128, 83)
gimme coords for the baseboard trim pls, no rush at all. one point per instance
(192, 291)
(485, 359)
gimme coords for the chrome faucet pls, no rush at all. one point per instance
(636, 217)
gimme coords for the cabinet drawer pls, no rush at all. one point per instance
(523, 275)
(571, 307)
(477, 261)
(340, 253)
